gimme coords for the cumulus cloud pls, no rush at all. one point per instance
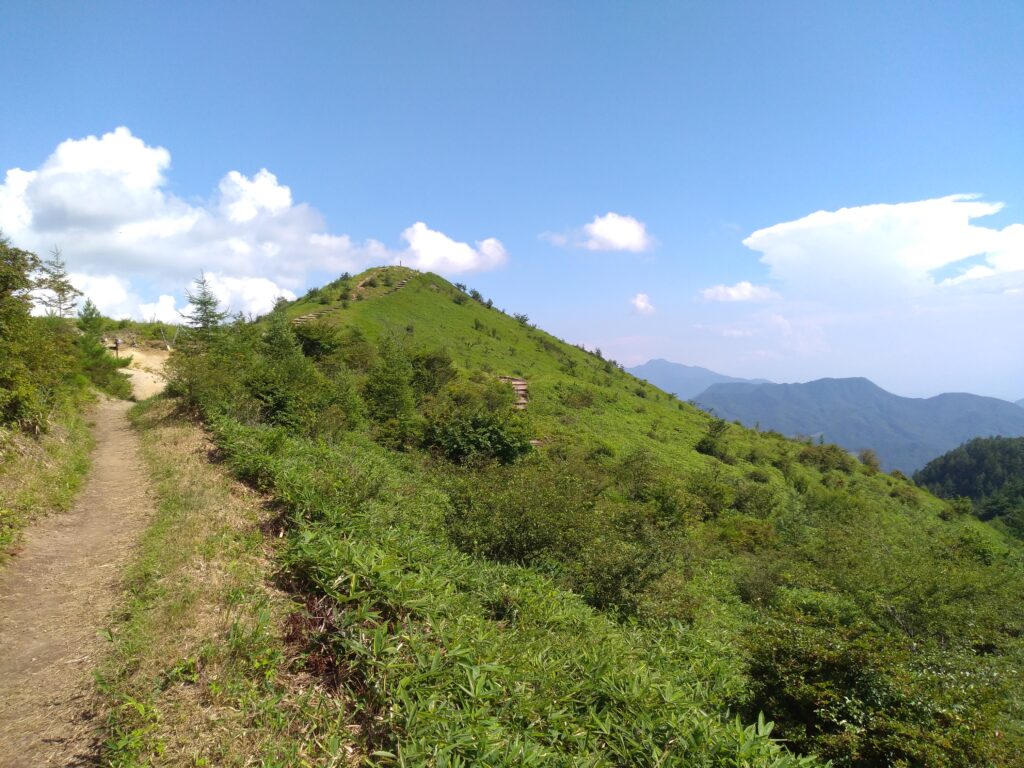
(611, 232)
(246, 294)
(742, 291)
(105, 200)
(108, 292)
(163, 310)
(893, 247)
(434, 251)
(642, 304)
(870, 290)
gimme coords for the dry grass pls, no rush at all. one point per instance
(200, 674)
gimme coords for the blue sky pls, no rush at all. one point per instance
(491, 142)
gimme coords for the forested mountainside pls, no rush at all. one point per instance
(685, 381)
(905, 432)
(987, 471)
(514, 553)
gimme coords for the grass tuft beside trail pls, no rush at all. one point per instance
(199, 674)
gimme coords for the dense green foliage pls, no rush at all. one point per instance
(616, 596)
(43, 360)
(990, 472)
(94, 359)
(34, 353)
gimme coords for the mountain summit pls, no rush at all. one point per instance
(685, 381)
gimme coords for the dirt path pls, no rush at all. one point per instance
(146, 371)
(55, 596)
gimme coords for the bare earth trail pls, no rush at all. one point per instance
(146, 371)
(55, 596)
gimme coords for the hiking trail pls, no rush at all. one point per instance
(56, 595)
(360, 289)
(522, 391)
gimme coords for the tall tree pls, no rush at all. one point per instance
(35, 357)
(60, 295)
(205, 315)
(16, 268)
(90, 320)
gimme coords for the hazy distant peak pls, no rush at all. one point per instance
(686, 381)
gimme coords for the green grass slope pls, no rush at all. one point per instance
(619, 595)
(574, 396)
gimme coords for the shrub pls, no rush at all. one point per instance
(388, 389)
(432, 370)
(465, 436)
(757, 499)
(840, 689)
(827, 456)
(870, 460)
(577, 397)
(318, 339)
(102, 368)
(712, 495)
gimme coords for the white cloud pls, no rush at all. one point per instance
(164, 310)
(108, 292)
(611, 232)
(105, 201)
(642, 304)
(244, 199)
(246, 294)
(890, 247)
(917, 295)
(742, 291)
(436, 252)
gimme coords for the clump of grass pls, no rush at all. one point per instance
(198, 672)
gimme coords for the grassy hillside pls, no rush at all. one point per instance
(617, 594)
(575, 396)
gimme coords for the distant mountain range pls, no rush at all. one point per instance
(905, 432)
(685, 381)
(1021, 402)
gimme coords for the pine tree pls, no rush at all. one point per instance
(90, 320)
(205, 316)
(55, 281)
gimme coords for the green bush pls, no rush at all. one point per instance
(838, 688)
(102, 368)
(466, 436)
(827, 456)
(318, 339)
(431, 371)
(37, 361)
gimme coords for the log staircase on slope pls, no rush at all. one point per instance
(326, 310)
(522, 391)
